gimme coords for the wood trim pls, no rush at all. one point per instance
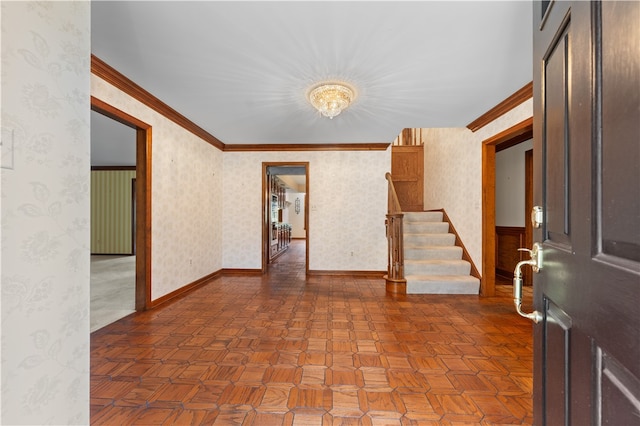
(465, 253)
(143, 198)
(525, 127)
(306, 219)
(266, 202)
(111, 254)
(361, 274)
(513, 142)
(204, 280)
(101, 69)
(395, 287)
(251, 272)
(522, 130)
(407, 171)
(133, 216)
(510, 230)
(407, 136)
(523, 94)
(505, 231)
(113, 168)
(266, 238)
(307, 147)
(116, 114)
(185, 289)
(143, 219)
(241, 272)
(488, 283)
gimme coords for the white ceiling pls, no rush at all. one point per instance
(112, 143)
(241, 70)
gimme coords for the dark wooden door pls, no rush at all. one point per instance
(587, 179)
(528, 205)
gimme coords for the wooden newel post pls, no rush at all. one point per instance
(395, 281)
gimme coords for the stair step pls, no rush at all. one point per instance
(432, 262)
(432, 252)
(436, 267)
(426, 228)
(429, 239)
(442, 284)
(422, 217)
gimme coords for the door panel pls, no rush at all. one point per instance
(407, 170)
(619, 237)
(620, 390)
(587, 179)
(557, 150)
(558, 328)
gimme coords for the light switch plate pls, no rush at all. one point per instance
(6, 142)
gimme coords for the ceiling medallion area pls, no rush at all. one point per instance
(331, 98)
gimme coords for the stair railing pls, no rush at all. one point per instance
(396, 283)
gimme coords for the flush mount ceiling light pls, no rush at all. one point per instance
(330, 99)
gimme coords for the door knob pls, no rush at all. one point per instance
(535, 262)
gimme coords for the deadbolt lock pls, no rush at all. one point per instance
(537, 216)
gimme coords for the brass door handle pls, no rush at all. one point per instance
(536, 264)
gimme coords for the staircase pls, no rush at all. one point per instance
(432, 262)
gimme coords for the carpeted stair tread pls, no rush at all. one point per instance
(433, 263)
(422, 217)
(429, 239)
(412, 252)
(426, 228)
(442, 284)
(437, 267)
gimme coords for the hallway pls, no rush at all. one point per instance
(284, 349)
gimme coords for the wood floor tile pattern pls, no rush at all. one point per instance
(283, 349)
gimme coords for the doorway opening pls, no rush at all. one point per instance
(285, 217)
(513, 194)
(512, 136)
(140, 243)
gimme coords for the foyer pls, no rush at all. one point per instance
(289, 349)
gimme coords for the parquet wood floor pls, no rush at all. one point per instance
(284, 349)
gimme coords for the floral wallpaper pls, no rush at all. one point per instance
(453, 174)
(45, 212)
(186, 197)
(347, 208)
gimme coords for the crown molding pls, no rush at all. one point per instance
(307, 147)
(503, 107)
(109, 74)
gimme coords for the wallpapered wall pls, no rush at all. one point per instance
(347, 207)
(45, 212)
(510, 185)
(453, 174)
(296, 219)
(186, 197)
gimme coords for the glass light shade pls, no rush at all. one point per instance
(331, 99)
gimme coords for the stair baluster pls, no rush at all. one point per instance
(395, 281)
